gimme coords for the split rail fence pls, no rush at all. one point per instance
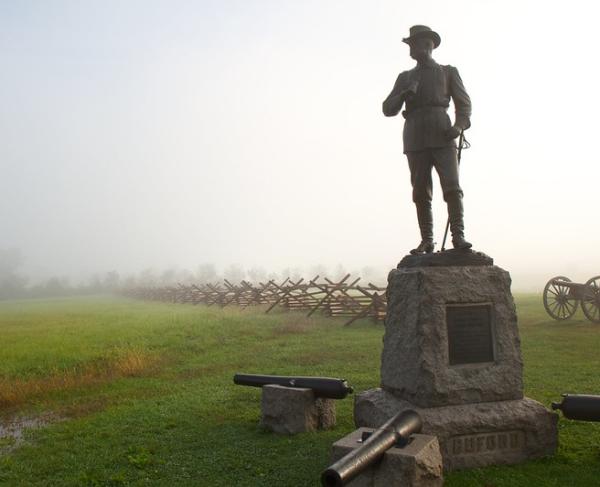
(345, 298)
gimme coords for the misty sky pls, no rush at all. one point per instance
(140, 133)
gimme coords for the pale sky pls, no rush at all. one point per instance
(140, 134)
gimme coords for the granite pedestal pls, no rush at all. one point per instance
(451, 351)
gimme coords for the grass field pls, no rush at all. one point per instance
(138, 393)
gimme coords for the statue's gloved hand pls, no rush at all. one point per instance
(452, 132)
(411, 90)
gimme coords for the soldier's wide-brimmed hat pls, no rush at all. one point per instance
(418, 31)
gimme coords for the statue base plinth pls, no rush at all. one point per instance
(451, 257)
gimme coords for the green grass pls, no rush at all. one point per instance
(145, 396)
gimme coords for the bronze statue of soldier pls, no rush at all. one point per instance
(429, 136)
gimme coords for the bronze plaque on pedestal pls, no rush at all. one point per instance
(470, 338)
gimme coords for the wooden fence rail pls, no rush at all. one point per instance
(344, 298)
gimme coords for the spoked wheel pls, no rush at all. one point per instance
(590, 304)
(558, 300)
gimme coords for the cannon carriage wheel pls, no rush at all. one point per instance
(558, 300)
(590, 302)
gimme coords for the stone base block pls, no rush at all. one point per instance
(451, 336)
(418, 464)
(472, 435)
(292, 410)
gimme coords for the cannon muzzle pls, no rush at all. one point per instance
(582, 407)
(327, 387)
(396, 430)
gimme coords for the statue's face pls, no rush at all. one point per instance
(421, 49)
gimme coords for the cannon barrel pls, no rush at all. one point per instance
(396, 430)
(327, 387)
(582, 407)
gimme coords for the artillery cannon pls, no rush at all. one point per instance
(562, 297)
(395, 431)
(581, 407)
(326, 387)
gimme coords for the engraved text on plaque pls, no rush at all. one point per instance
(470, 337)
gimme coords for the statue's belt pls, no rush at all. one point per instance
(408, 113)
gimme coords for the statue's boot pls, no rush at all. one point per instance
(425, 218)
(455, 215)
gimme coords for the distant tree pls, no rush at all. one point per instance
(285, 273)
(257, 274)
(234, 273)
(184, 276)
(272, 276)
(129, 282)
(339, 273)
(94, 284)
(294, 273)
(168, 277)
(297, 274)
(206, 273)
(111, 281)
(148, 277)
(53, 287)
(318, 270)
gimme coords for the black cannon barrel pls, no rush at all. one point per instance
(582, 407)
(396, 429)
(328, 387)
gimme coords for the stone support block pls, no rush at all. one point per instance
(418, 464)
(290, 410)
